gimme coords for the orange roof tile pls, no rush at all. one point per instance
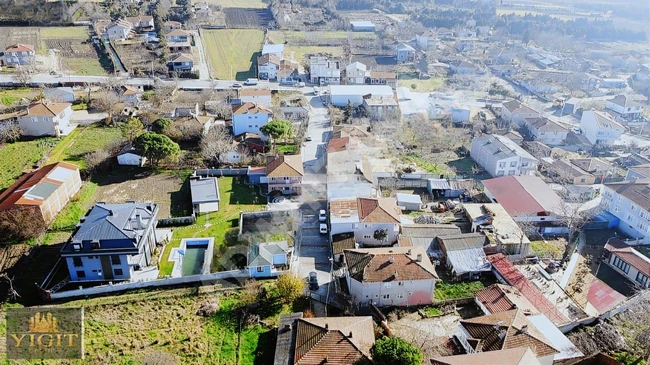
(46, 108)
(338, 144)
(336, 340)
(378, 210)
(14, 195)
(284, 165)
(250, 108)
(375, 265)
(20, 47)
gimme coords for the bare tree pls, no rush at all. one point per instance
(108, 102)
(19, 224)
(574, 215)
(215, 144)
(9, 132)
(23, 76)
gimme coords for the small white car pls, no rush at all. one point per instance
(322, 216)
(323, 228)
(308, 139)
(237, 85)
(251, 82)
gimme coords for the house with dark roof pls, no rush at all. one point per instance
(624, 108)
(374, 221)
(628, 201)
(46, 118)
(332, 340)
(503, 331)
(390, 276)
(267, 259)
(638, 172)
(597, 167)
(424, 236)
(567, 172)
(112, 242)
(628, 262)
(284, 174)
(341, 242)
(516, 112)
(545, 130)
(464, 254)
(514, 356)
(500, 156)
(45, 191)
(600, 128)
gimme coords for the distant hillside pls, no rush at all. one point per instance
(35, 12)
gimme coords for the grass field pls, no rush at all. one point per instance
(235, 198)
(298, 53)
(233, 52)
(548, 249)
(280, 36)
(68, 218)
(458, 290)
(84, 66)
(432, 84)
(20, 156)
(9, 97)
(82, 141)
(64, 32)
(252, 4)
(520, 12)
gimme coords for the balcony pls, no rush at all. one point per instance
(462, 336)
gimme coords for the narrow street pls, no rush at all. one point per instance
(204, 71)
(313, 251)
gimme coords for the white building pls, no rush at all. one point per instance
(44, 118)
(366, 217)
(130, 157)
(629, 201)
(546, 131)
(340, 95)
(624, 108)
(59, 94)
(260, 96)
(599, 128)
(275, 49)
(516, 112)
(390, 276)
(324, 71)
(249, 118)
(355, 73)
(500, 156)
(268, 66)
(628, 262)
(119, 30)
(205, 194)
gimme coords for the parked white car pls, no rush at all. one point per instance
(323, 228)
(322, 215)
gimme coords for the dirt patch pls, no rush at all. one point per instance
(431, 335)
(166, 190)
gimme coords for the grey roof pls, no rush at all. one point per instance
(544, 124)
(43, 189)
(115, 226)
(517, 107)
(463, 241)
(261, 254)
(284, 349)
(468, 260)
(408, 198)
(293, 109)
(502, 147)
(204, 190)
(424, 235)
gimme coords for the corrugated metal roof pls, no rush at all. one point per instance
(204, 190)
(468, 260)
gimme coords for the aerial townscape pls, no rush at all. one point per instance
(253, 182)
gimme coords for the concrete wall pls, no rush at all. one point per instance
(249, 123)
(365, 231)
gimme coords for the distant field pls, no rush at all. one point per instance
(17, 157)
(298, 53)
(432, 84)
(252, 4)
(520, 12)
(280, 36)
(233, 49)
(64, 32)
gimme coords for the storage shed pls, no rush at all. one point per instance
(362, 26)
(341, 94)
(409, 201)
(205, 194)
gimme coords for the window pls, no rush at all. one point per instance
(386, 296)
(583, 180)
(500, 173)
(511, 172)
(400, 296)
(34, 120)
(118, 272)
(641, 279)
(260, 269)
(642, 226)
(630, 218)
(513, 164)
(617, 208)
(632, 207)
(250, 126)
(115, 259)
(524, 164)
(81, 274)
(624, 266)
(401, 283)
(77, 262)
(502, 165)
(367, 236)
(387, 285)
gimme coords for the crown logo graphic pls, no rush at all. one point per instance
(43, 323)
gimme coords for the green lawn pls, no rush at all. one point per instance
(458, 290)
(421, 163)
(83, 66)
(64, 32)
(9, 97)
(233, 52)
(280, 36)
(548, 249)
(68, 218)
(287, 149)
(298, 53)
(84, 140)
(235, 198)
(432, 84)
(431, 311)
(17, 157)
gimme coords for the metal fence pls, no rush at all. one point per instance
(222, 172)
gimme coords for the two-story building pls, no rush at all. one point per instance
(374, 221)
(324, 71)
(181, 62)
(112, 242)
(390, 276)
(18, 54)
(44, 118)
(566, 172)
(516, 112)
(268, 259)
(45, 191)
(268, 66)
(119, 30)
(628, 262)
(381, 78)
(600, 128)
(284, 174)
(355, 73)
(261, 96)
(249, 118)
(404, 53)
(142, 23)
(546, 131)
(500, 156)
(179, 40)
(624, 108)
(629, 202)
(428, 40)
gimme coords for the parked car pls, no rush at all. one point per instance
(299, 84)
(251, 82)
(315, 90)
(323, 228)
(322, 215)
(236, 85)
(313, 281)
(308, 138)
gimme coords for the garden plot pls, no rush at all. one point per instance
(136, 57)
(247, 18)
(233, 52)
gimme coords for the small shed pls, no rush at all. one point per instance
(464, 254)
(59, 94)
(363, 26)
(404, 52)
(205, 194)
(409, 201)
(449, 188)
(130, 157)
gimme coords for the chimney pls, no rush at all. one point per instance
(138, 218)
(409, 252)
(327, 326)
(419, 258)
(524, 328)
(287, 327)
(350, 336)
(391, 259)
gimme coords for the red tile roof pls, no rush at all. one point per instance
(338, 144)
(602, 297)
(335, 340)
(502, 298)
(628, 254)
(526, 194)
(375, 265)
(20, 47)
(378, 210)
(514, 277)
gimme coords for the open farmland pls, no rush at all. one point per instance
(17, 157)
(298, 53)
(294, 37)
(233, 52)
(135, 56)
(250, 4)
(247, 18)
(13, 35)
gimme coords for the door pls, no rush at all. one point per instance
(107, 268)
